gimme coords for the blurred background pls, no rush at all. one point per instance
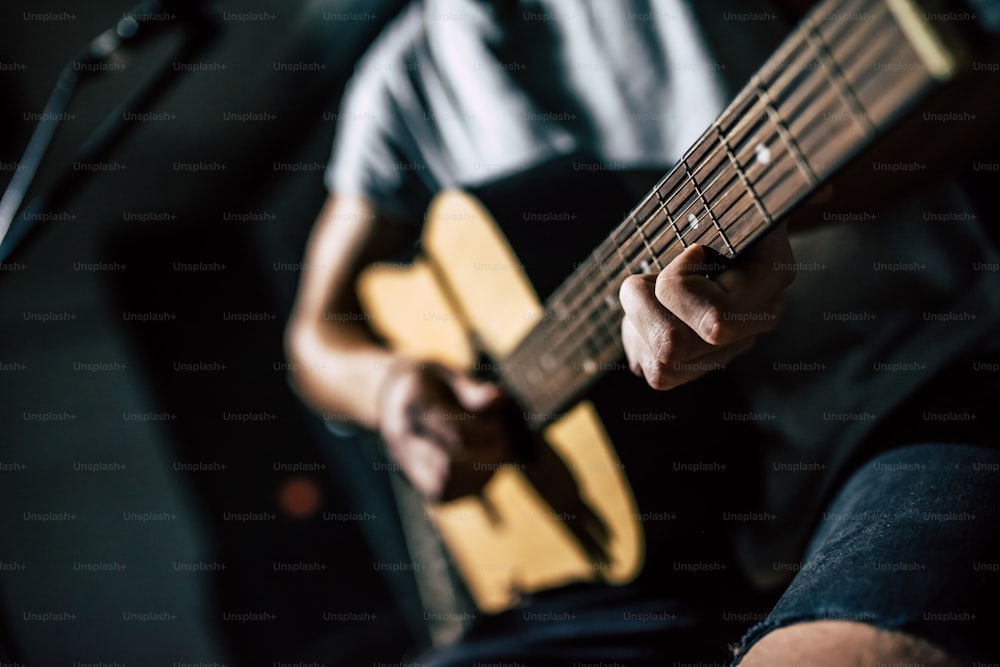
(164, 497)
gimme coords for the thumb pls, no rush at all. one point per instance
(471, 394)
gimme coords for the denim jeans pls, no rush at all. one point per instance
(910, 543)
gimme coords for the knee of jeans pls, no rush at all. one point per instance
(943, 479)
(886, 528)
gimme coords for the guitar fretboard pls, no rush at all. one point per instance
(842, 77)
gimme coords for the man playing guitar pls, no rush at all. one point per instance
(464, 92)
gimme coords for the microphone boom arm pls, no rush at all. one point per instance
(14, 227)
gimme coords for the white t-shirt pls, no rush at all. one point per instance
(457, 92)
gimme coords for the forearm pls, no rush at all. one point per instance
(338, 367)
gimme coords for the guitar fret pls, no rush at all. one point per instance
(673, 225)
(708, 209)
(743, 177)
(649, 249)
(906, 80)
(827, 141)
(782, 129)
(608, 293)
(580, 296)
(836, 75)
(855, 45)
(569, 342)
(627, 252)
(607, 305)
(802, 92)
(670, 219)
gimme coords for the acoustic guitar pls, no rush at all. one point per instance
(845, 75)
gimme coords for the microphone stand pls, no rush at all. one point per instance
(202, 26)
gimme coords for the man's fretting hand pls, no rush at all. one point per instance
(680, 324)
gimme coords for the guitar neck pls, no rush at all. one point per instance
(848, 71)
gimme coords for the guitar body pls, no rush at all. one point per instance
(470, 285)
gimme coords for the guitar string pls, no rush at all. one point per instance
(599, 318)
(807, 133)
(626, 249)
(602, 323)
(713, 209)
(740, 102)
(602, 332)
(722, 213)
(800, 48)
(563, 304)
(708, 159)
(812, 55)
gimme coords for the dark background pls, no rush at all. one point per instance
(93, 369)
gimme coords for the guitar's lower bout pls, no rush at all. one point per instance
(470, 269)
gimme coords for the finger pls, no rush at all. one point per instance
(469, 445)
(426, 465)
(440, 414)
(480, 425)
(667, 337)
(464, 435)
(697, 300)
(644, 362)
(664, 376)
(682, 372)
(438, 421)
(473, 395)
(641, 359)
(635, 347)
(721, 310)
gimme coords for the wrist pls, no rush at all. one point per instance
(396, 367)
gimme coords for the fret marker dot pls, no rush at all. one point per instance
(589, 366)
(693, 221)
(644, 265)
(763, 153)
